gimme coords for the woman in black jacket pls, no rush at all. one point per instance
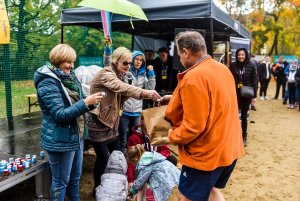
(244, 73)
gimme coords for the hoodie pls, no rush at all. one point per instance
(142, 79)
(114, 184)
(159, 173)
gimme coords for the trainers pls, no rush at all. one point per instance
(245, 142)
(290, 106)
(266, 98)
(262, 98)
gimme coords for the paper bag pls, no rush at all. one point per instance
(155, 125)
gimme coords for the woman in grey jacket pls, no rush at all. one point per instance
(62, 103)
(104, 120)
(132, 108)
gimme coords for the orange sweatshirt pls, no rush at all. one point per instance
(204, 113)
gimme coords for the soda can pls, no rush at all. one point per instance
(28, 160)
(1, 169)
(27, 164)
(14, 168)
(42, 155)
(3, 163)
(27, 156)
(6, 172)
(33, 159)
(20, 168)
(23, 163)
(10, 160)
(9, 168)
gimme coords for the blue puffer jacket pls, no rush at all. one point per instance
(59, 132)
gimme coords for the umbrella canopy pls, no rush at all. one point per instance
(122, 7)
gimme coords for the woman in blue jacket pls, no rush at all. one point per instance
(63, 104)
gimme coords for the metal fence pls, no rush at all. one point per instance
(29, 50)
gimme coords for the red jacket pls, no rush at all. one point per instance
(138, 138)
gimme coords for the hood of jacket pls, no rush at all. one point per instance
(116, 163)
(43, 72)
(247, 57)
(150, 158)
(142, 69)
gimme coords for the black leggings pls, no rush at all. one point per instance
(103, 151)
(244, 104)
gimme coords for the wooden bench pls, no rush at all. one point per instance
(30, 104)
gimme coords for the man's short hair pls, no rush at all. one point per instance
(191, 40)
(163, 49)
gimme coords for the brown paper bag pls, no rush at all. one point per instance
(155, 125)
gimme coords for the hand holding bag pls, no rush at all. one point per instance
(247, 92)
(155, 125)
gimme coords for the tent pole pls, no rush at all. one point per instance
(62, 34)
(210, 48)
(132, 42)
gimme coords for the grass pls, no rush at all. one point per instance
(19, 102)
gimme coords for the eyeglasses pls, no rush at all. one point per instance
(125, 63)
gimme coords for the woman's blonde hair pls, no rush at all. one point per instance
(120, 54)
(134, 152)
(62, 53)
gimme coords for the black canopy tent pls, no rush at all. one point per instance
(164, 17)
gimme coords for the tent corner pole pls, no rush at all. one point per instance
(211, 38)
(132, 41)
(62, 34)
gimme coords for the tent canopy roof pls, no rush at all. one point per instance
(164, 17)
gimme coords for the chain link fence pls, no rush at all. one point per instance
(31, 42)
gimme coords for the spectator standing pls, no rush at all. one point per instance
(280, 77)
(132, 108)
(203, 112)
(244, 73)
(264, 78)
(63, 104)
(166, 76)
(292, 84)
(103, 121)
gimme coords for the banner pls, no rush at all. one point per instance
(237, 43)
(4, 24)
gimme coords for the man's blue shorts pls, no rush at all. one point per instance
(196, 184)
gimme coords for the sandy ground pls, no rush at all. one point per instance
(270, 168)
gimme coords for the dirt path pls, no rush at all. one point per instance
(270, 169)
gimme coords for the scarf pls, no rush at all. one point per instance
(68, 81)
(120, 76)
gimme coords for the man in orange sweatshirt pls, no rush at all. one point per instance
(203, 111)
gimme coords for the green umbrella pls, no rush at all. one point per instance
(122, 7)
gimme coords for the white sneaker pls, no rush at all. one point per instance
(262, 98)
(266, 98)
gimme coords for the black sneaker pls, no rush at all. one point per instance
(253, 107)
(284, 102)
(245, 142)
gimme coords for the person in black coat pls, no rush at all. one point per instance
(264, 78)
(244, 73)
(166, 76)
(280, 77)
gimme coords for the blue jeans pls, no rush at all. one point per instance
(125, 125)
(66, 171)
